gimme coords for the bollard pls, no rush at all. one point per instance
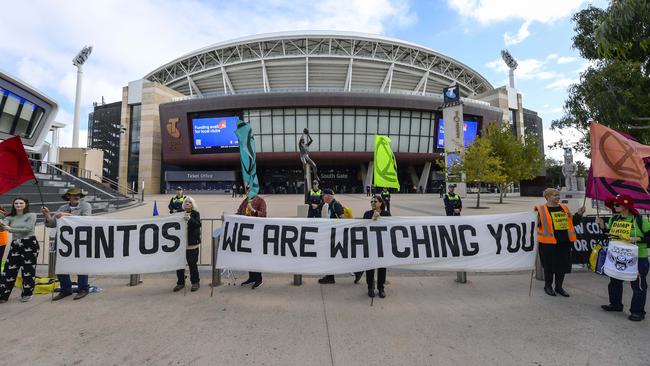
(216, 274)
(134, 280)
(51, 259)
(297, 280)
(461, 277)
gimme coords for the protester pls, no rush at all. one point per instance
(4, 237)
(442, 189)
(252, 207)
(74, 207)
(315, 201)
(556, 234)
(176, 202)
(385, 195)
(23, 252)
(234, 190)
(453, 203)
(628, 225)
(377, 209)
(193, 219)
(241, 191)
(368, 190)
(334, 211)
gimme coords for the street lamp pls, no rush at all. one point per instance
(78, 61)
(512, 65)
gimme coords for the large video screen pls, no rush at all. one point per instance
(470, 130)
(214, 134)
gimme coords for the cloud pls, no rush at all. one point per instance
(569, 136)
(494, 11)
(528, 69)
(561, 84)
(521, 35)
(566, 60)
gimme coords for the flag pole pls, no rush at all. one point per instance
(39, 192)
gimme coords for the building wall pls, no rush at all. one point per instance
(90, 160)
(104, 134)
(125, 123)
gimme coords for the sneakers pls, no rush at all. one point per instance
(636, 317)
(195, 287)
(248, 282)
(560, 291)
(61, 295)
(25, 298)
(257, 284)
(371, 293)
(549, 291)
(329, 279)
(80, 295)
(178, 287)
(611, 308)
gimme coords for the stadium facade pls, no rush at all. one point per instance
(178, 121)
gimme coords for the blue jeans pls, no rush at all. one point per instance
(66, 283)
(639, 290)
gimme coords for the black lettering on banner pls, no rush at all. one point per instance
(174, 238)
(513, 245)
(241, 237)
(420, 241)
(434, 241)
(64, 241)
(289, 237)
(229, 241)
(380, 244)
(463, 240)
(393, 237)
(531, 241)
(102, 244)
(126, 229)
(143, 238)
(338, 246)
(448, 241)
(361, 240)
(270, 235)
(496, 235)
(86, 241)
(305, 241)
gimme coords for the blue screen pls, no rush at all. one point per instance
(215, 133)
(470, 129)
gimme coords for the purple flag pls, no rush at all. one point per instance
(605, 189)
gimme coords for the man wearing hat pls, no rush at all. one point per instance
(74, 207)
(176, 202)
(315, 200)
(335, 211)
(629, 226)
(453, 204)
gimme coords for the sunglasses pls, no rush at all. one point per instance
(374, 201)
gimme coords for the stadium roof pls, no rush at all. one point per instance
(317, 61)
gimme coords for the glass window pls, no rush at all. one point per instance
(325, 111)
(277, 112)
(337, 124)
(413, 145)
(394, 142)
(255, 125)
(278, 143)
(313, 111)
(277, 124)
(415, 126)
(290, 124)
(325, 123)
(289, 112)
(382, 128)
(361, 111)
(426, 115)
(405, 123)
(301, 123)
(301, 111)
(383, 112)
(265, 112)
(312, 123)
(394, 125)
(290, 142)
(359, 142)
(267, 143)
(348, 111)
(372, 112)
(258, 143)
(338, 111)
(424, 142)
(370, 143)
(337, 142)
(372, 125)
(253, 112)
(9, 113)
(348, 142)
(415, 114)
(325, 142)
(425, 128)
(348, 123)
(266, 122)
(360, 124)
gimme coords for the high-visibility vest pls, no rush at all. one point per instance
(545, 233)
(315, 193)
(4, 238)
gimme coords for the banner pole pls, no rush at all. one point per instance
(530, 288)
(39, 191)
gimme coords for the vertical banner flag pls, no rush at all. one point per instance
(247, 155)
(616, 157)
(385, 165)
(16, 169)
(155, 208)
(604, 189)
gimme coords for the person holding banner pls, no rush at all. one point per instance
(193, 219)
(335, 211)
(629, 226)
(74, 207)
(385, 195)
(556, 235)
(378, 208)
(23, 252)
(256, 207)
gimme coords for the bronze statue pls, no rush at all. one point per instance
(303, 145)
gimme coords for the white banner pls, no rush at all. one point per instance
(97, 245)
(488, 243)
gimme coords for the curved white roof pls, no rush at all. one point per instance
(316, 61)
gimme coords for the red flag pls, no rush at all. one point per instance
(16, 169)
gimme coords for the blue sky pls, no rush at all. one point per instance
(132, 38)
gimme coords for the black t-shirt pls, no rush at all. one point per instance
(560, 235)
(368, 214)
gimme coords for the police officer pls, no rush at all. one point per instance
(176, 202)
(385, 195)
(315, 200)
(453, 204)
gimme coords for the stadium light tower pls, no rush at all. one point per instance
(78, 61)
(512, 65)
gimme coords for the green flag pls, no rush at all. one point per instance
(385, 164)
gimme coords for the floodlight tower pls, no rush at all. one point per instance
(512, 65)
(78, 61)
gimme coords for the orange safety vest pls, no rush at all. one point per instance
(545, 234)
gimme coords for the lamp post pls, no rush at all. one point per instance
(78, 61)
(512, 65)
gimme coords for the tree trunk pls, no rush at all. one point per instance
(478, 197)
(501, 189)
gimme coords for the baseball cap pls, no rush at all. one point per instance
(328, 191)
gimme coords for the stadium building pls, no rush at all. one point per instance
(179, 120)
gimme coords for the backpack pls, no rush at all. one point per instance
(347, 213)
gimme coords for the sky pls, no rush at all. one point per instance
(132, 38)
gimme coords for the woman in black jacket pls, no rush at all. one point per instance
(378, 209)
(193, 219)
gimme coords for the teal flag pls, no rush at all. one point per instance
(247, 155)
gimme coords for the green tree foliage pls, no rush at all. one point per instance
(582, 170)
(614, 89)
(554, 176)
(480, 165)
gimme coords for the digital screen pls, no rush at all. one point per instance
(470, 129)
(215, 134)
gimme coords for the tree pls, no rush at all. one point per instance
(480, 165)
(582, 170)
(554, 176)
(521, 160)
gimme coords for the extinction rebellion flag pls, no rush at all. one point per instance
(16, 169)
(247, 155)
(385, 165)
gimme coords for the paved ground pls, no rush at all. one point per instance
(427, 318)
